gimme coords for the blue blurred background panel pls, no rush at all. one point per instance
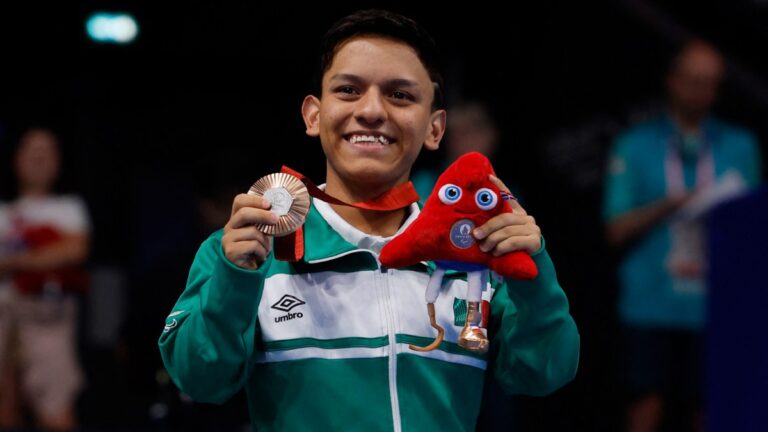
(738, 345)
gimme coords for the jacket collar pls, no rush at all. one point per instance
(323, 243)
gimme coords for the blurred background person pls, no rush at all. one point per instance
(44, 240)
(655, 170)
(470, 128)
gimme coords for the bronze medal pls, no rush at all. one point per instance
(290, 201)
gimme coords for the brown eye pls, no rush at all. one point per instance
(345, 90)
(401, 95)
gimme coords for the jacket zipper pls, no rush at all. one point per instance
(383, 282)
(383, 273)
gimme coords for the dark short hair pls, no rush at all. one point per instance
(390, 25)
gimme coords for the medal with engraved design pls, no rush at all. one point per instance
(290, 201)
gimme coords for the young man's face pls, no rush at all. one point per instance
(375, 112)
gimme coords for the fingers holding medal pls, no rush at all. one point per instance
(276, 205)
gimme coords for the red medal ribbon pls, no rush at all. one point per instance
(291, 246)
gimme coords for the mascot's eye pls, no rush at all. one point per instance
(449, 194)
(486, 199)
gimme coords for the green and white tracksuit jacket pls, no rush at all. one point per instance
(322, 344)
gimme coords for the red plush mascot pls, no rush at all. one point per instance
(463, 198)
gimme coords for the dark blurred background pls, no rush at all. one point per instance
(158, 135)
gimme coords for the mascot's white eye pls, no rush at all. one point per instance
(486, 199)
(449, 194)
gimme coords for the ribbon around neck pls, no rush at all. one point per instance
(291, 247)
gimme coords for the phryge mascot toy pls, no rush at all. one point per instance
(463, 198)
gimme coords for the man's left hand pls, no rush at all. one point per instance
(509, 232)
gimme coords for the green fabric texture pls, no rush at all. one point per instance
(459, 311)
(321, 395)
(437, 396)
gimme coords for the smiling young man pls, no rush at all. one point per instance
(375, 114)
(322, 343)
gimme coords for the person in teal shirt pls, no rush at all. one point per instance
(656, 169)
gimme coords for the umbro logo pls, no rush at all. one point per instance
(285, 304)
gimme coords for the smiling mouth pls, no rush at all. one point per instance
(366, 140)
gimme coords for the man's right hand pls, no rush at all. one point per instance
(243, 244)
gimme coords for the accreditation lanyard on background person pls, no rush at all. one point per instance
(687, 256)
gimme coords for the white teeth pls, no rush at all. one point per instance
(369, 139)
